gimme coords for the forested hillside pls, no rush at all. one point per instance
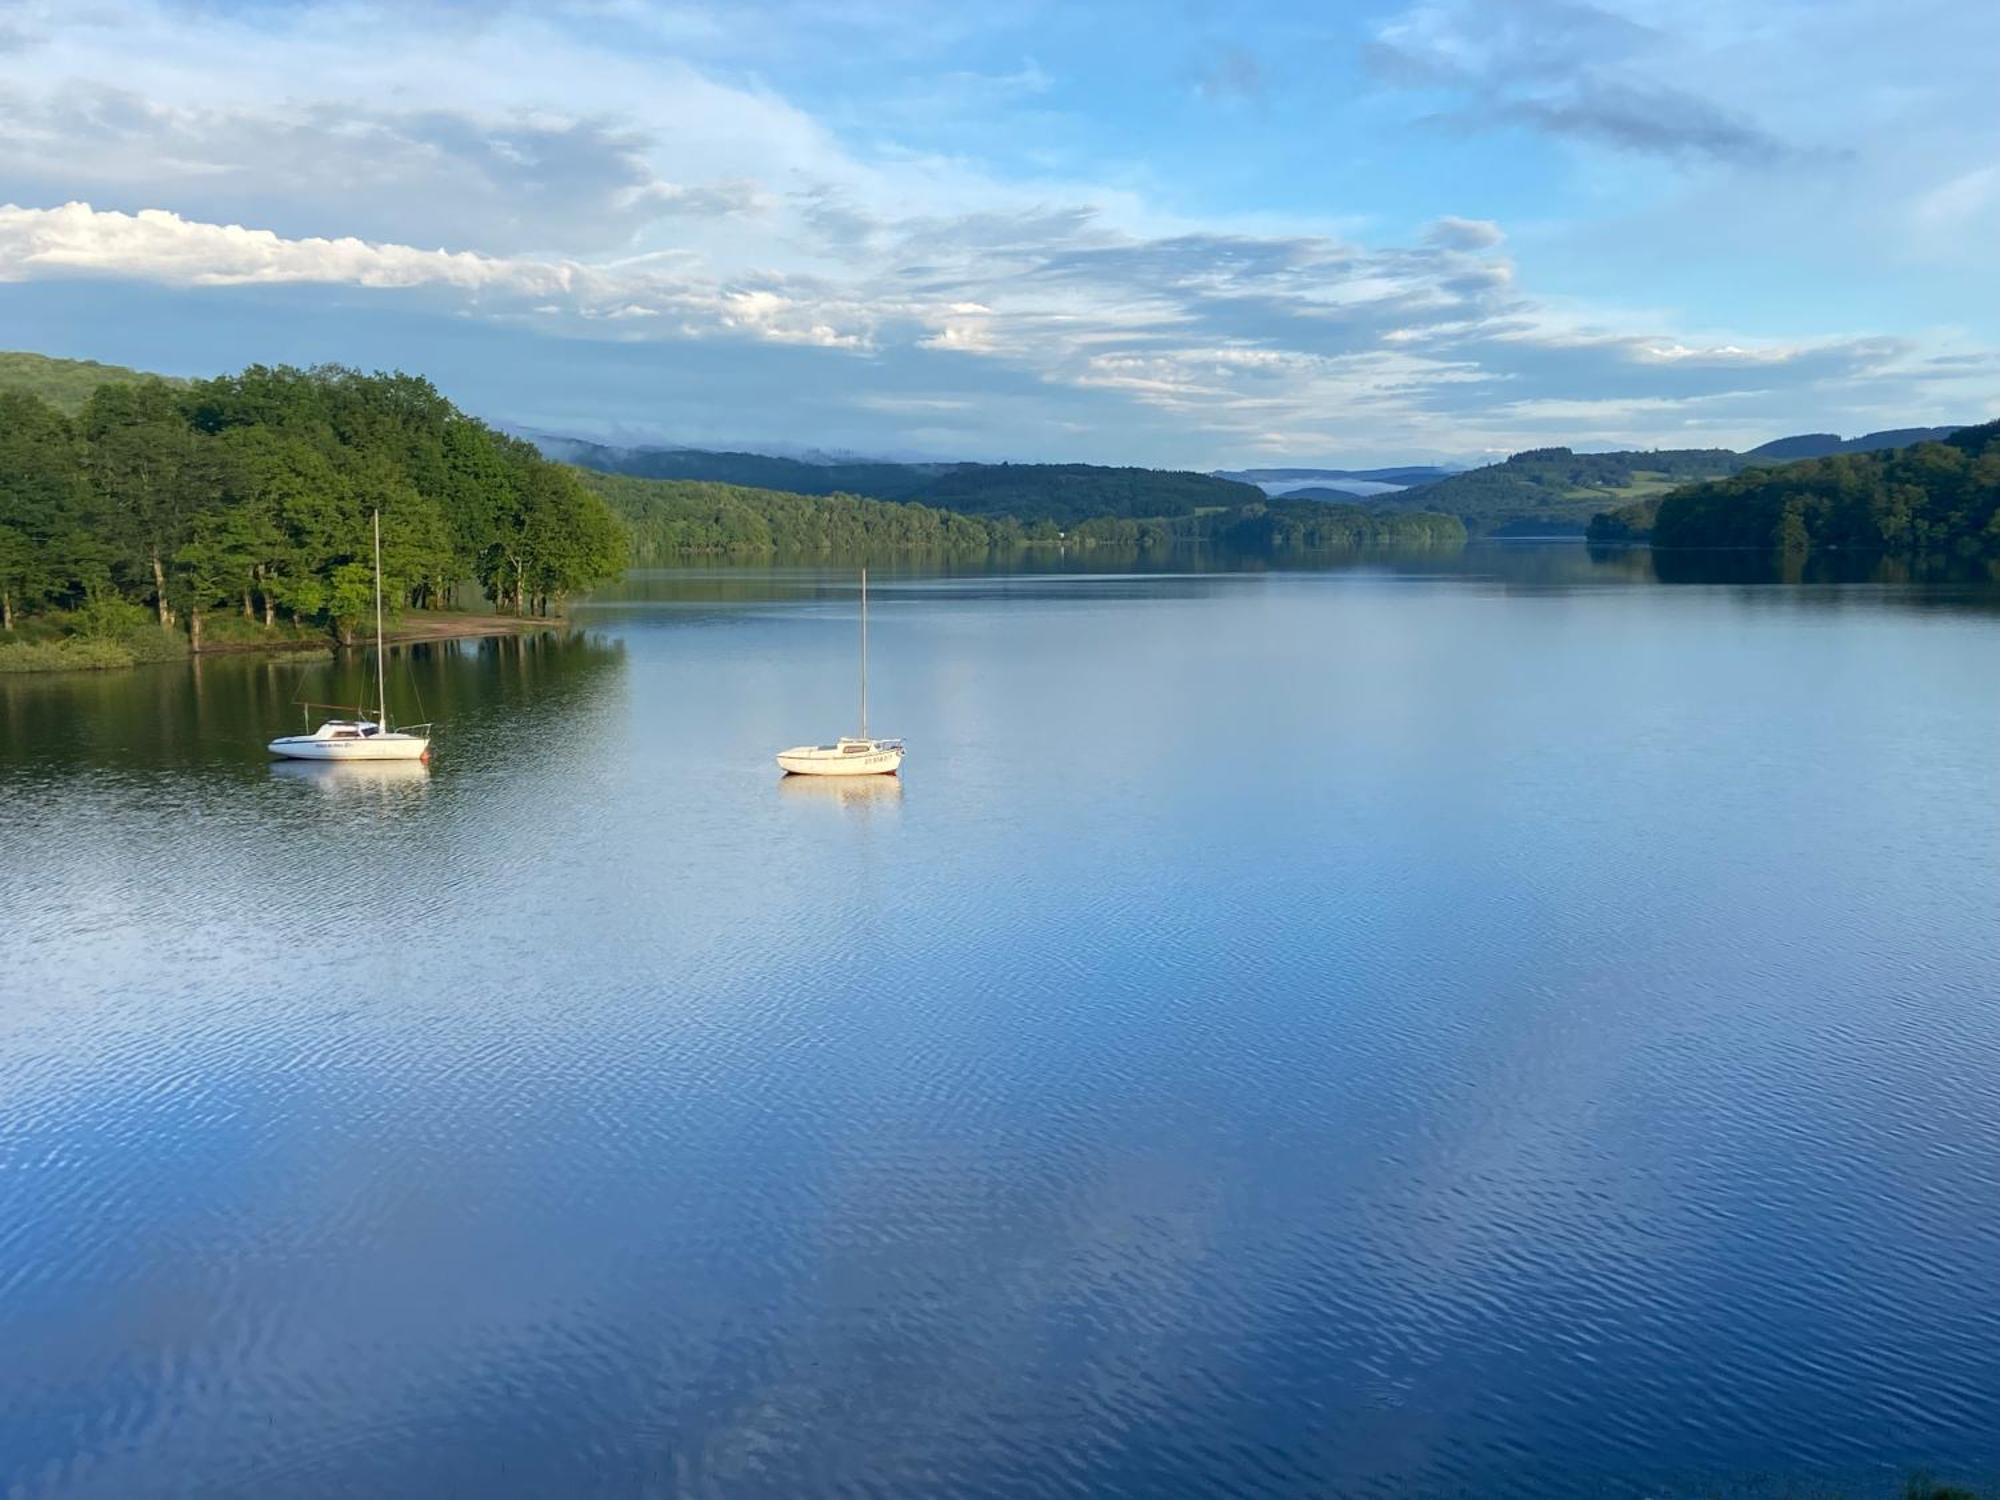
(251, 494)
(1825, 444)
(681, 518)
(64, 383)
(1060, 494)
(1556, 490)
(1068, 493)
(1930, 498)
(880, 481)
(674, 518)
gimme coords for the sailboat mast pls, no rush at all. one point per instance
(381, 673)
(864, 653)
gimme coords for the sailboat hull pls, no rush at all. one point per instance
(836, 760)
(361, 739)
(375, 747)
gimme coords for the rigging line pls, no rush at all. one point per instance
(410, 670)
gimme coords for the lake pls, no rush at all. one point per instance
(1494, 1024)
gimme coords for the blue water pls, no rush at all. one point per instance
(1494, 1026)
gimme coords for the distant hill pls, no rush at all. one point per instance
(692, 517)
(1825, 444)
(1324, 492)
(687, 517)
(1057, 494)
(882, 481)
(1554, 491)
(1926, 496)
(1068, 493)
(64, 383)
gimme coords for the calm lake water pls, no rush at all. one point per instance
(1493, 1025)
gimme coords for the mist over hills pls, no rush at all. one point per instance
(1295, 482)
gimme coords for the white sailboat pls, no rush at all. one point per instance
(362, 739)
(850, 755)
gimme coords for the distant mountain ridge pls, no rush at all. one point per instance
(1541, 491)
(1055, 494)
(1825, 444)
(1557, 491)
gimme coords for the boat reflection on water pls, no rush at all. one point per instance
(381, 780)
(843, 791)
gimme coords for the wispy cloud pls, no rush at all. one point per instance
(1236, 336)
(514, 179)
(1567, 68)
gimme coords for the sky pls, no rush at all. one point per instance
(1165, 233)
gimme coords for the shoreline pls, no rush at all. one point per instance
(74, 654)
(443, 626)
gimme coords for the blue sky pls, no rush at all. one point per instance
(1183, 234)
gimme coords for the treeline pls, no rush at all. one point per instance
(1069, 494)
(683, 518)
(1279, 526)
(1932, 498)
(252, 494)
(1062, 495)
(671, 518)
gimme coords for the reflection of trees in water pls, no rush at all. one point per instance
(223, 709)
(775, 580)
(1826, 579)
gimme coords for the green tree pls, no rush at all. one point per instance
(44, 555)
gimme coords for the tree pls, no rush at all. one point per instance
(42, 498)
(256, 490)
(140, 455)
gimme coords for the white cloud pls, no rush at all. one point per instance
(158, 245)
(1237, 337)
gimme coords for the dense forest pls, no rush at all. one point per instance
(878, 479)
(1929, 498)
(1280, 526)
(677, 518)
(1066, 494)
(670, 518)
(1059, 494)
(250, 495)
